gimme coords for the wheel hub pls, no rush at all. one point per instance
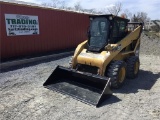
(136, 67)
(122, 74)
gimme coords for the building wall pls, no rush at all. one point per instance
(0, 34)
(150, 24)
(58, 30)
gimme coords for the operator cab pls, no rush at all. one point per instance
(105, 29)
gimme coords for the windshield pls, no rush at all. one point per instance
(98, 32)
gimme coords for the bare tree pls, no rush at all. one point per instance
(77, 6)
(140, 17)
(134, 18)
(115, 9)
(62, 5)
(56, 4)
(46, 4)
(69, 8)
(102, 11)
(92, 11)
(127, 14)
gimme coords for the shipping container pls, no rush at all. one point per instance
(58, 29)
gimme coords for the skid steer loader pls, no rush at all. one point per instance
(110, 54)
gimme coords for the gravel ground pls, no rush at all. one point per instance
(150, 45)
(22, 95)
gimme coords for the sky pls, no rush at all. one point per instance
(151, 7)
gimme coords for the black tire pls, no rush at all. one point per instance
(114, 71)
(132, 67)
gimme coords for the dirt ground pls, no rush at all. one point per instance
(22, 96)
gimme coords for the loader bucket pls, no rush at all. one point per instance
(88, 88)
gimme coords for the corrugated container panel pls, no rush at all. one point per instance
(58, 30)
(0, 33)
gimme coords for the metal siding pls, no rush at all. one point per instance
(0, 33)
(58, 30)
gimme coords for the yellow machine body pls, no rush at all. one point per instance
(118, 51)
(87, 79)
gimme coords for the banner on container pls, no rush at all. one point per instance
(21, 24)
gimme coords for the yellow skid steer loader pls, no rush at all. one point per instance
(110, 54)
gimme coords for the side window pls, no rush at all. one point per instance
(115, 29)
(103, 26)
(95, 28)
(119, 29)
(122, 28)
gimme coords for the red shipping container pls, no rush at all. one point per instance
(58, 29)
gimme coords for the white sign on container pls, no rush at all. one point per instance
(21, 24)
